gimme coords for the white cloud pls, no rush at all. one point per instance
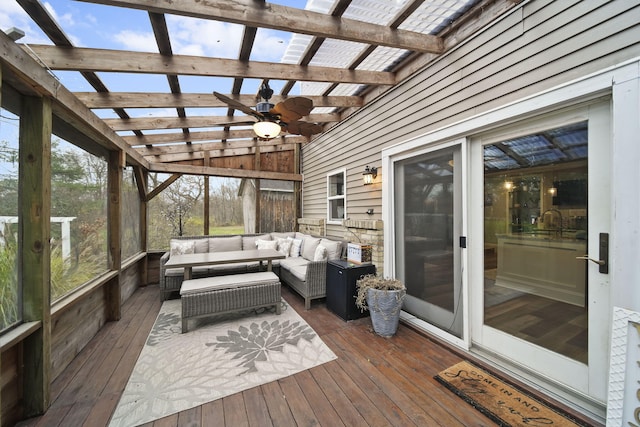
(64, 20)
(137, 41)
(191, 36)
(269, 46)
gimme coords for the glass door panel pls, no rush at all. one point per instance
(536, 224)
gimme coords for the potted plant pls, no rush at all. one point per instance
(383, 298)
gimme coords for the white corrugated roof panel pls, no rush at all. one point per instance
(429, 18)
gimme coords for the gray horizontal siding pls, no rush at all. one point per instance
(538, 46)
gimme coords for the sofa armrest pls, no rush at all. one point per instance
(316, 278)
(163, 260)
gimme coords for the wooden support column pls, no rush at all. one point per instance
(297, 187)
(258, 194)
(141, 176)
(34, 212)
(114, 217)
(206, 212)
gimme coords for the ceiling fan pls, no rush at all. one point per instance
(275, 118)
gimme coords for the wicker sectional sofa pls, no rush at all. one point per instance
(304, 268)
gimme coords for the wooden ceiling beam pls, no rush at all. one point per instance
(121, 61)
(161, 33)
(196, 100)
(223, 172)
(200, 121)
(213, 146)
(215, 135)
(282, 18)
(227, 152)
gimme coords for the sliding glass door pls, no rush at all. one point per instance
(544, 303)
(427, 200)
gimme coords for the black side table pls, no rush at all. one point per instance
(341, 287)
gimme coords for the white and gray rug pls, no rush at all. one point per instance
(216, 358)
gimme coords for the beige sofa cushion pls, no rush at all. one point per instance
(202, 246)
(225, 244)
(309, 246)
(334, 248)
(249, 242)
(227, 282)
(297, 266)
(275, 235)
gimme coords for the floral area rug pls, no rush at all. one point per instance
(219, 356)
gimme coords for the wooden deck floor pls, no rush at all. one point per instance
(374, 381)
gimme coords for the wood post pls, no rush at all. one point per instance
(206, 213)
(141, 176)
(34, 276)
(114, 212)
(258, 193)
(297, 187)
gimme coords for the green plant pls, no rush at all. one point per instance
(372, 281)
(8, 280)
(88, 263)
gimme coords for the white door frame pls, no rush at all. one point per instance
(622, 83)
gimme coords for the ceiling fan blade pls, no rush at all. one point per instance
(291, 109)
(238, 106)
(303, 128)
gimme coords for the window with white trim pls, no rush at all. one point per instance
(336, 196)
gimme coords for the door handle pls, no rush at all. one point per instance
(603, 260)
(597, 261)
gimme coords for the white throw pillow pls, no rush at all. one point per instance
(296, 244)
(284, 246)
(266, 244)
(182, 247)
(320, 254)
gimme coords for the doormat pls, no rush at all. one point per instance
(501, 402)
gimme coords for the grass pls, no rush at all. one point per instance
(229, 229)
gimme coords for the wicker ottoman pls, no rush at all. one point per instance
(224, 294)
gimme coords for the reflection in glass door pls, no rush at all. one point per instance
(535, 221)
(427, 205)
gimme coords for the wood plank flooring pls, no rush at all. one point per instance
(374, 382)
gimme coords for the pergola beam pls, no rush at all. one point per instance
(218, 154)
(196, 100)
(222, 172)
(282, 18)
(122, 61)
(225, 136)
(199, 122)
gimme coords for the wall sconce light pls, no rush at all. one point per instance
(553, 191)
(369, 174)
(370, 211)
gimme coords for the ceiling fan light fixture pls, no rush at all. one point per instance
(266, 129)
